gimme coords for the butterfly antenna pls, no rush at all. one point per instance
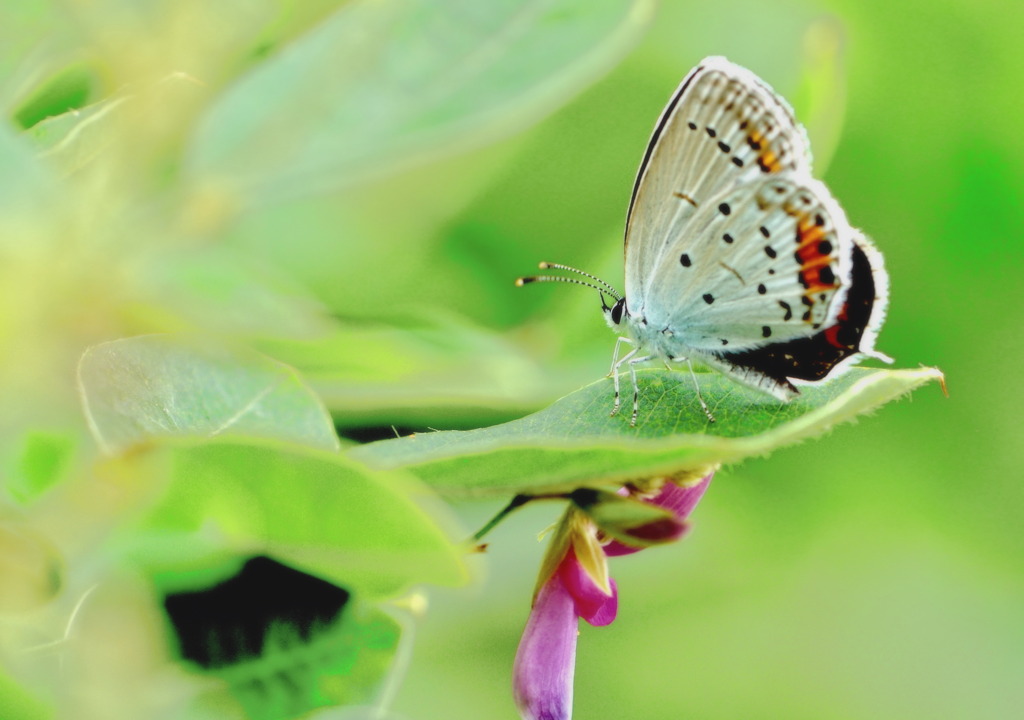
(557, 266)
(601, 286)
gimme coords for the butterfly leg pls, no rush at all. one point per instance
(633, 362)
(615, 372)
(696, 386)
(615, 353)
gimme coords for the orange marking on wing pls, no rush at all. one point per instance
(812, 276)
(815, 261)
(769, 162)
(810, 234)
(812, 260)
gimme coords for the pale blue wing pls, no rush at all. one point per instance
(765, 262)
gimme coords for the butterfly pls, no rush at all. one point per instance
(735, 256)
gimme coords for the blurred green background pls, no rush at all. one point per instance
(874, 573)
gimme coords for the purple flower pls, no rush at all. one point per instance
(574, 584)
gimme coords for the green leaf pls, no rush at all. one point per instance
(73, 139)
(42, 462)
(820, 100)
(284, 642)
(385, 84)
(224, 291)
(341, 665)
(319, 512)
(31, 569)
(26, 187)
(163, 385)
(16, 703)
(408, 370)
(68, 89)
(575, 442)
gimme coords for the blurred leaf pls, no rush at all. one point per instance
(317, 511)
(68, 89)
(42, 462)
(408, 370)
(73, 139)
(223, 291)
(31, 569)
(16, 703)
(285, 642)
(820, 100)
(25, 185)
(386, 84)
(24, 23)
(344, 664)
(160, 385)
(575, 443)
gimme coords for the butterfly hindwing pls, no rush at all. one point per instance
(814, 357)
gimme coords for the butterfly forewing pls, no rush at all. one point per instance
(722, 127)
(761, 263)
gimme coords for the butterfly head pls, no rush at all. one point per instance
(613, 314)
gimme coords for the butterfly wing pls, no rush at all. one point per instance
(765, 262)
(832, 348)
(723, 126)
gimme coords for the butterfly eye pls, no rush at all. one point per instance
(617, 309)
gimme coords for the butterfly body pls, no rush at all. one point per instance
(735, 256)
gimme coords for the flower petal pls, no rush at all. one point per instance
(593, 604)
(617, 549)
(589, 553)
(681, 499)
(560, 544)
(603, 612)
(546, 659)
(628, 518)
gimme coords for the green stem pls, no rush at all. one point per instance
(517, 502)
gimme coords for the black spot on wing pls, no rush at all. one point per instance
(813, 358)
